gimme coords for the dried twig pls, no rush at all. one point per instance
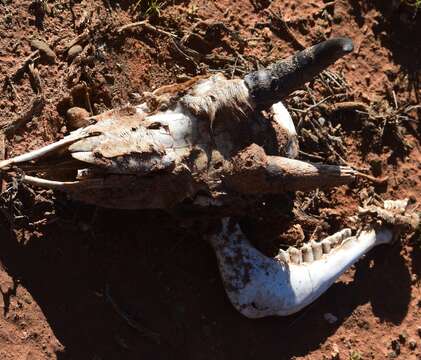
(379, 181)
(311, 156)
(35, 78)
(145, 24)
(22, 68)
(284, 26)
(35, 109)
(181, 49)
(350, 105)
(78, 39)
(2, 146)
(2, 157)
(9, 82)
(311, 107)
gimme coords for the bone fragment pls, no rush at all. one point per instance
(259, 286)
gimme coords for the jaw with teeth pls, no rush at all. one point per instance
(259, 286)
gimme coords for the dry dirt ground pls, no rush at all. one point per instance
(79, 282)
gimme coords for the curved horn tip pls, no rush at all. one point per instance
(335, 47)
(345, 43)
(270, 85)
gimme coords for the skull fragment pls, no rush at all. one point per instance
(206, 143)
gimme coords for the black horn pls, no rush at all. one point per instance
(270, 85)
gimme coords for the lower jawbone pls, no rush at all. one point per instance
(259, 286)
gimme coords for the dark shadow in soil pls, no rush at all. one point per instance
(166, 279)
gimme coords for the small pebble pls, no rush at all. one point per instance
(392, 355)
(74, 51)
(77, 117)
(412, 344)
(396, 346)
(402, 337)
(330, 318)
(45, 51)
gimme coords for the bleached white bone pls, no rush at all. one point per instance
(284, 120)
(260, 286)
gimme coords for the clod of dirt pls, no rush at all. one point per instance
(74, 51)
(412, 344)
(77, 117)
(46, 52)
(396, 347)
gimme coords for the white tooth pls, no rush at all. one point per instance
(295, 255)
(337, 238)
(345, 234)
(317, 250)
(307, 253)
(348, 242)
(283, 256)
(399, 205)
(326, 246)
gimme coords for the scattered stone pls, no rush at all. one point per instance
(45, 51)
(403, 337)
(330, 318)
(412, 344)
(419, 331)
(396, 346)
(392, 355)
(334, 355)
(77, 117)
(363, 324)
(74, 51)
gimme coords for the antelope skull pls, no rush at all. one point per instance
(206, 143)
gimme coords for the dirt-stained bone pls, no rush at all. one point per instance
(206, 144)
(259, 286)
(206, 138)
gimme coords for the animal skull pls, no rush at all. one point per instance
(207, 143)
